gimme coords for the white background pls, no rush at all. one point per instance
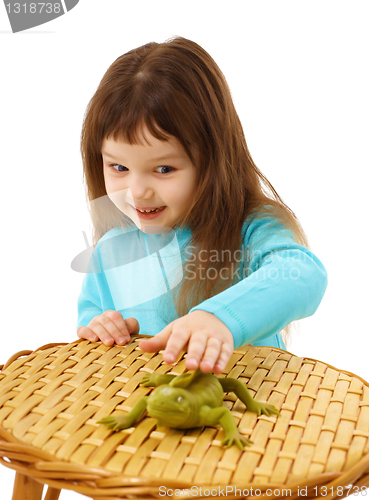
(298, 73)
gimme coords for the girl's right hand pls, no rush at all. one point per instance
(110, 328)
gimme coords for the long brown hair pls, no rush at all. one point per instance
(175, 88)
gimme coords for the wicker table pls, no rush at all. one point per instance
(51, 399)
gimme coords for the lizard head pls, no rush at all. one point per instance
(172, 406)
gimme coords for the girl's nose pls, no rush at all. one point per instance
(140, 189)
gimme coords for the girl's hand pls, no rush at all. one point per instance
(109, 327)
(208, 341)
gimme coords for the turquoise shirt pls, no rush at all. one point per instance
(134, 273)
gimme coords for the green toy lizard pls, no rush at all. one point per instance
(193, 399)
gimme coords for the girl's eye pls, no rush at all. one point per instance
(165, 169)
(119, 168)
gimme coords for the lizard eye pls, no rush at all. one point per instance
(179, 399)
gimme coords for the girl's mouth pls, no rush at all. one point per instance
(149, 214)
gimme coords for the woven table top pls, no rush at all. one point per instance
(52, 398)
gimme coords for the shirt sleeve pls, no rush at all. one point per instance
(281, 282)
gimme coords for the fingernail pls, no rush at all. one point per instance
(206, 366)
(192, 361)
(169, 357)
(218, 369)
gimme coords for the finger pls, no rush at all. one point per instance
(116, 326)
(100, 330)
(176, 343)
(119, 337)
(133, 325)
(86, 333)
(195, 350)
(211, 354)
(158, 342)
(224, 356)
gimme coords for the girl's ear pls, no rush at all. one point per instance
(185, 379)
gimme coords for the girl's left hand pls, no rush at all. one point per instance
(208, 340)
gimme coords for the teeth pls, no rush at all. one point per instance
(149, 211)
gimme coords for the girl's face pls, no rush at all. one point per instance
(158, 177)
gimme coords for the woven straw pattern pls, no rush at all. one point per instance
(51, 399)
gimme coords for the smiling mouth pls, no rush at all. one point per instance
(149, 210)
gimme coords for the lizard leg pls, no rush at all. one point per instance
(155, 379)
(222, 416)
(241, 391)
(118, 423)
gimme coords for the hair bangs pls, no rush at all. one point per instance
(154, 117)
(130, 127)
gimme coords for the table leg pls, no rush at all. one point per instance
(52, 494)
(26, 488)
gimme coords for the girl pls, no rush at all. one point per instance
(193, 244)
